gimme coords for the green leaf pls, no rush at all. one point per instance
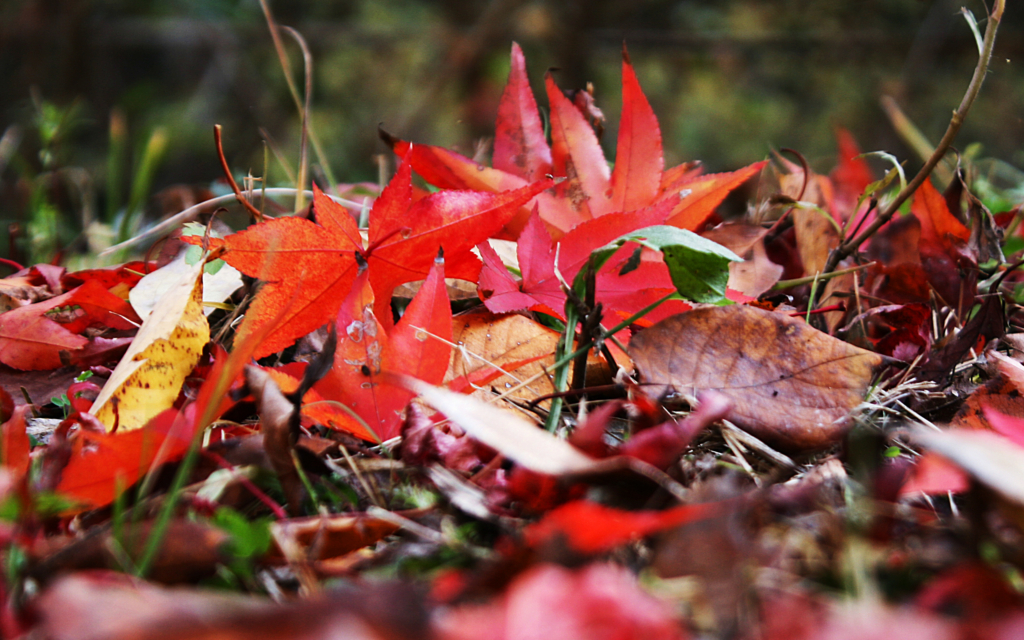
(249, 539)
(699, 267)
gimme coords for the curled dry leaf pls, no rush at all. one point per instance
(280, 426)
(790, 384)
(167, 347)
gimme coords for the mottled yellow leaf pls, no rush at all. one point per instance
(167, 347)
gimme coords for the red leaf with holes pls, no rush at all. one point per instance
(367, 351)
(31, 341)
(120, 278)
(308, 267)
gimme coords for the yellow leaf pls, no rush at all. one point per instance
(167, 347)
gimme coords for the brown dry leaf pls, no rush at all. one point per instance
(736, 236)
(329, 537)
(190, 551)
(815, 234)
(167, 347)
(279, 425)
(516, 344)
(837, 291)
(756, 274)
(791, 385)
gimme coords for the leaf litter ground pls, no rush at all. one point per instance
(738, 445)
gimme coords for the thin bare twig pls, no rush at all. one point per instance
(188, 214)
(256, 214)
(848, 247)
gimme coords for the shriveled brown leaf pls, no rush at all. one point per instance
(327, 537)
(815, 234)
(791, 385)
(279, 423)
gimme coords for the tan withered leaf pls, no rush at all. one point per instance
(792, 385)
(518, 345)
(167, 347)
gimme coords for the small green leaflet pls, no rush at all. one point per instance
(195, 253)
(699, 267)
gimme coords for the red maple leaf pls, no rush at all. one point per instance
(589, 190)
(540, 289)
(308, 267)
(35, 336)
(367, 352)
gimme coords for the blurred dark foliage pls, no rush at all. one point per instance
(729, 80)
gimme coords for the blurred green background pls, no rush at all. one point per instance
(729, 80)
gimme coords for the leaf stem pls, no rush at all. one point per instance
(256, 214)
(796, 282)
(848, 247)
(300, 181)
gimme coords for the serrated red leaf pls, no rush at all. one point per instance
(701, 195)
(540, 289)
(520, 147)
(938, 225)
(946, 256)
(850, 176)
(589, 190)
(577, 155)
(97, 307)
(450, 170)
(127, 274)
(636, 179)
(309, 267)
(32, 342)
(367, 352)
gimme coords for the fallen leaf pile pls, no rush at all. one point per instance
(658, 418)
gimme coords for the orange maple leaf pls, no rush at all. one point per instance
(308, 267)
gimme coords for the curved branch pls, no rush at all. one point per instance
(850, 246)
